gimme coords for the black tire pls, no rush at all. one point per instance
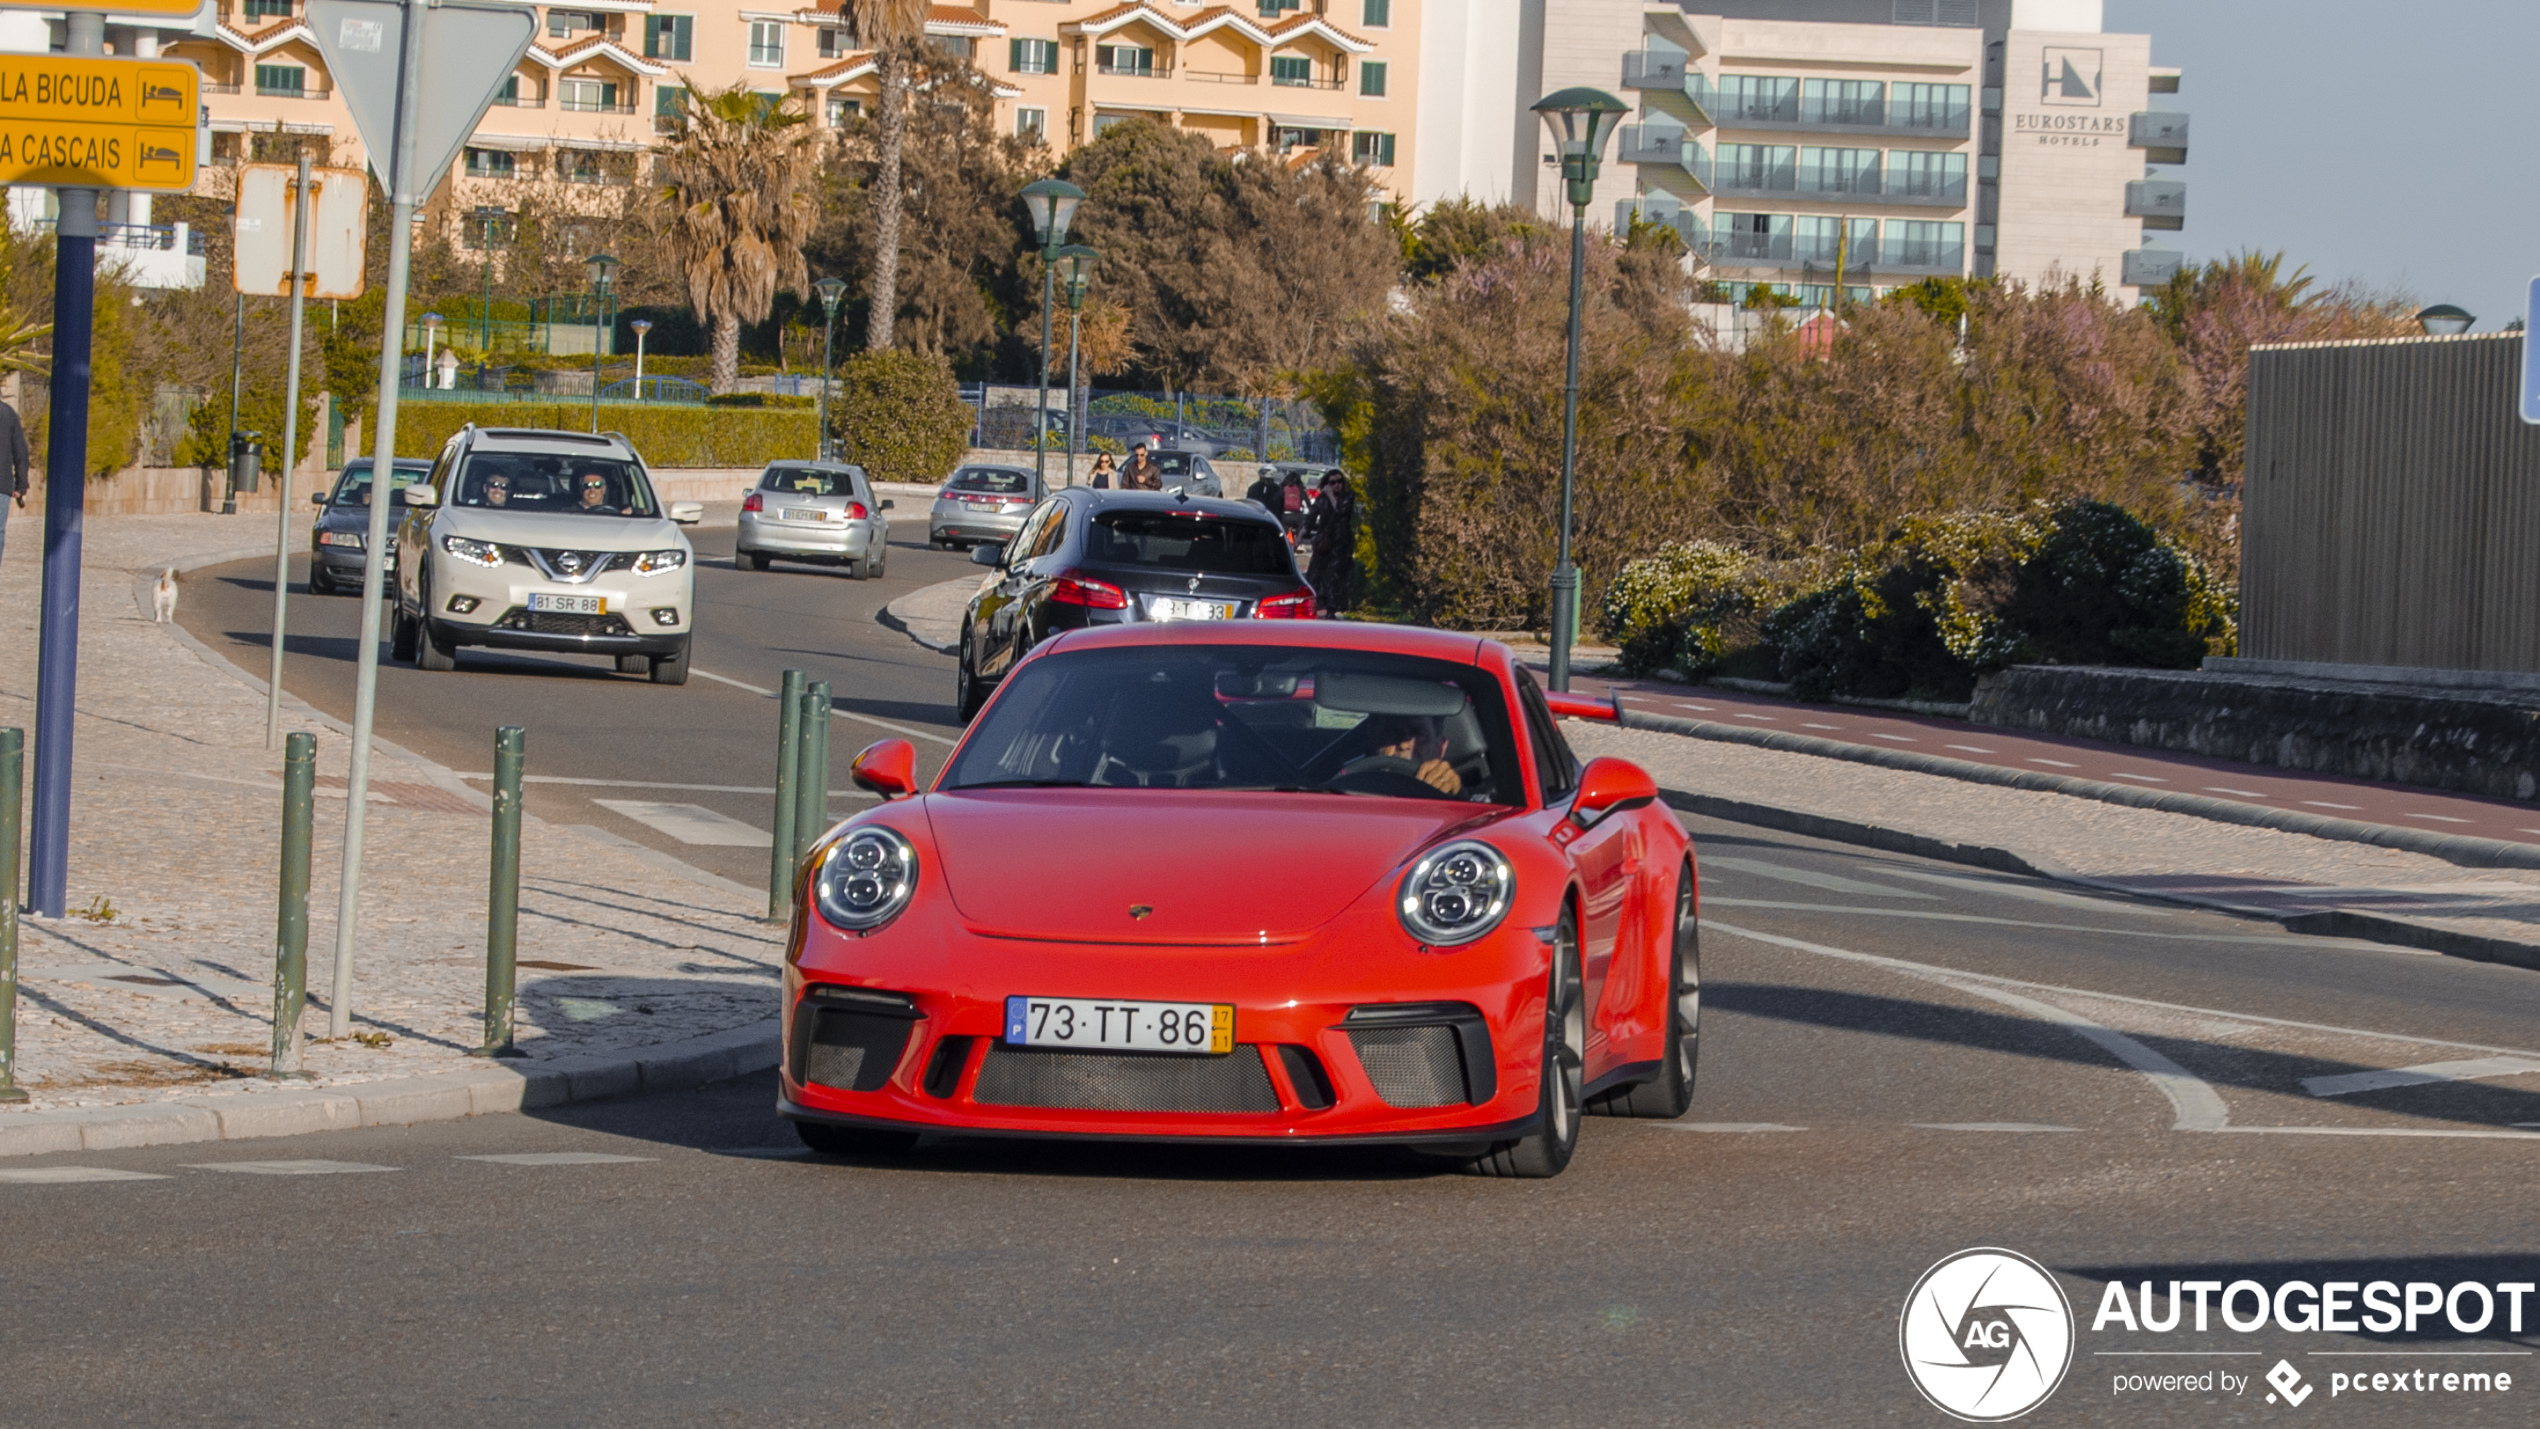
(432, 652)
(401, 636)
(829, 1140)
(320, 583)
(634, 664)
(758, 560)
(670, 669)
(1669, 1094)
(1546, 1153)
(967, 694)
(859, 570)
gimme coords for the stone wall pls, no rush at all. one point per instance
(2483, 742)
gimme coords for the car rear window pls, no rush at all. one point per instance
(1185, 541)
(808, 481)
(353, 488)
(1004, 481)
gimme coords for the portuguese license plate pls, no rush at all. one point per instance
(569, 604)
(1174, 608)
(805, 513)
(1109, 1024)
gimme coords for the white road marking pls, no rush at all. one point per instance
(2137, 778)
(2236, 793)
(2023, 892)
(2058, 763)
(1972, 748)
(909, 730)
(558, 1158)
(291, 1168)
(1805, 724)
(2459, 1133)
(2423, 1075)
(2325, 804)
(689, 823)
(1899, 738)
(2438, 818)
(63, 1175)
(1688, 704)
(1757, 716)
(1811, 878)
(1931, 915)
(1729, 1127)
(1989, 1126)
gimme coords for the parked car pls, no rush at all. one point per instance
(981, 503)
(1087, 557)
(343, 523)
(1189, 470)
(549, 541)
(819, 511)
(1181, 436)
(1492, 939)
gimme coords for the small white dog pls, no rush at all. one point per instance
(163, 598)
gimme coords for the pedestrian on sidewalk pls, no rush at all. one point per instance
(1264, 491)
(14, 465)
(1103, 472)
(1139, 473)
(1332, 530)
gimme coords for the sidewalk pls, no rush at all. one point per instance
(158, 988)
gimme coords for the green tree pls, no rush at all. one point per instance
(900, 416)
(736, 187)
(896, 31)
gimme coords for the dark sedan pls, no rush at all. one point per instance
(343, 523)
(1085, 557)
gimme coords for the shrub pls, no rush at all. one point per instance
(2105, 589)
(900, 416)
(664, 436)
(767, 400)
(1689, 607)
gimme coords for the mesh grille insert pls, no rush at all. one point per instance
(854, 1051)
(1411, 1066)
(1112, 1081)
(557, 622)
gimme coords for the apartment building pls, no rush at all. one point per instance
(1811, 145)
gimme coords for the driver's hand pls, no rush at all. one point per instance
(1441, 776)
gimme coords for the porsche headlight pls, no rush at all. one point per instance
(482, 553)
(865, 879)
(657, 563)
(1456, 893)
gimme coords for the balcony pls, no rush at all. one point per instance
(571, 105)
(210, 88)
(2149, 267)
(1305, 81)
(2160, 203)
(2162, 135)
(1214, 76)
(1667, 145)
(293, 91)
(1150, 70)
(1933, 119)
(1755, 178)
(1886, 186)
(520, 101)
(1654, 69)
(1747, 249)
(1922, 256)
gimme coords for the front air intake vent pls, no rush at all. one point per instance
(851, 1048)
(1109, 1081)
(1411, 1066)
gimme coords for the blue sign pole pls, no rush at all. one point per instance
(2531, 354)
(65, 511)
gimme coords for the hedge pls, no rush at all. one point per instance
(667, 437)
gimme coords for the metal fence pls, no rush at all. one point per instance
(2392, 506)
(1235, 428)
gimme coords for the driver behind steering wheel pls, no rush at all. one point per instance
(1407, 744)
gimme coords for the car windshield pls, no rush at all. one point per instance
(1185, 541)
(353, 488)
(1247, 717)
(808, 481)
(1001, 480)
(557, 485)
(1171, 463)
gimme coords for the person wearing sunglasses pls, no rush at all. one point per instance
(498, 490)
(595, 494)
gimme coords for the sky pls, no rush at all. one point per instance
(2370, 140)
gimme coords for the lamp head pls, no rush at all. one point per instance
(641, 326)
(830, 291)
(1053, 205)
(601, 265)
(2445, 320)
(1581, 120)
(431, 319)
(1080, 261)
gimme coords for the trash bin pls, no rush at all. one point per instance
(246, 460)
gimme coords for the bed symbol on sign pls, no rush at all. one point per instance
(167, 94)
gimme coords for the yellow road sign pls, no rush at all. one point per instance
(98, 122)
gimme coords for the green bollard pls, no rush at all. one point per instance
(502, 900)
(780, 863)
(811, 775)
(291, 921)
(12, 800)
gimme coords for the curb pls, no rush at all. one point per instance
(404, 1101)
(2466, 850)
(889, 617)
(2327, 923)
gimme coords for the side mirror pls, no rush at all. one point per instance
(318, 500)
(419, 495)
(687, 513)
(1609, 786)
(888, 503)
(888, 768)
(988, 556)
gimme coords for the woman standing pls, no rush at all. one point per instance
(1101, 478)
(1334, 529)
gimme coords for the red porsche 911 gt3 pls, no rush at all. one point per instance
(1303, 882)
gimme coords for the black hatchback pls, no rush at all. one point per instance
(343, 524)
(1086, 557)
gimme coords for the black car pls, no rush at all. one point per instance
(343, 523)
(1087, 557)
(1189, 470)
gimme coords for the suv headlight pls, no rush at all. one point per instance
(483, 553)
(655, 563)
(865, 879)
(1456, 893)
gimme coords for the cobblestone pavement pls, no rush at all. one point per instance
(159, 983)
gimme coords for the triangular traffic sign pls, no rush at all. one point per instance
(469, 49)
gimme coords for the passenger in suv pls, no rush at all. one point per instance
(551, 541)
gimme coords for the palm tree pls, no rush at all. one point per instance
(893, 30)
(737, 187)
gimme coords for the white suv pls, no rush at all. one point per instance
(553, 541)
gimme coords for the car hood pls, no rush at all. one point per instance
(1071, 865)
(549, 531)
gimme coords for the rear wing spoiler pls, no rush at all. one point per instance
(1609, 709)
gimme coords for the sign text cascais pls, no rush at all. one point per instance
(97, 122)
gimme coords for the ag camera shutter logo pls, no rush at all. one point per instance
(1986, 1335)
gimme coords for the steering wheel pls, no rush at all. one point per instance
(1383, 774)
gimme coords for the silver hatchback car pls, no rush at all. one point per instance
(818, 511)
(983, 505)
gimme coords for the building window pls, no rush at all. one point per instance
(1371, 78)
(561, 23)
(1839, 171)
(1822, 240)
(1291, 69)
(1773, 167)
(1103, 123)
(1927, 106)
(1124, 59)
(1841, 101)
(669, 37)
(491, 164)
(1373, 150)
(1750, 237)
(268, 9)
(842, 109)
(478, 230)
(835, 43)
(587, 96)
(1272, 9)
(509, 95)
(1918, 173)
(1032, 124)
(767, 44)
(1764, 97)
(1033, 56)
(288, 80)
(670, 106)
(1376, 14)
(580, 166)
(1918, 243)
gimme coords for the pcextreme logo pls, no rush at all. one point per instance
(1986, 1335)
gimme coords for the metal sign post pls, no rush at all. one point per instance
(290, 455)
(378, 52)
(2531, 354)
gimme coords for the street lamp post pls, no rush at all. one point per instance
(1582, 120)
(1053, 206)
(600, 265)
(2444, 320)
(431, 328)
(1080, 262)
(487, 215)
(830, 290)
(640, 326)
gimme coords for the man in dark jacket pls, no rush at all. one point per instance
(14, 465)
(1264, 491)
